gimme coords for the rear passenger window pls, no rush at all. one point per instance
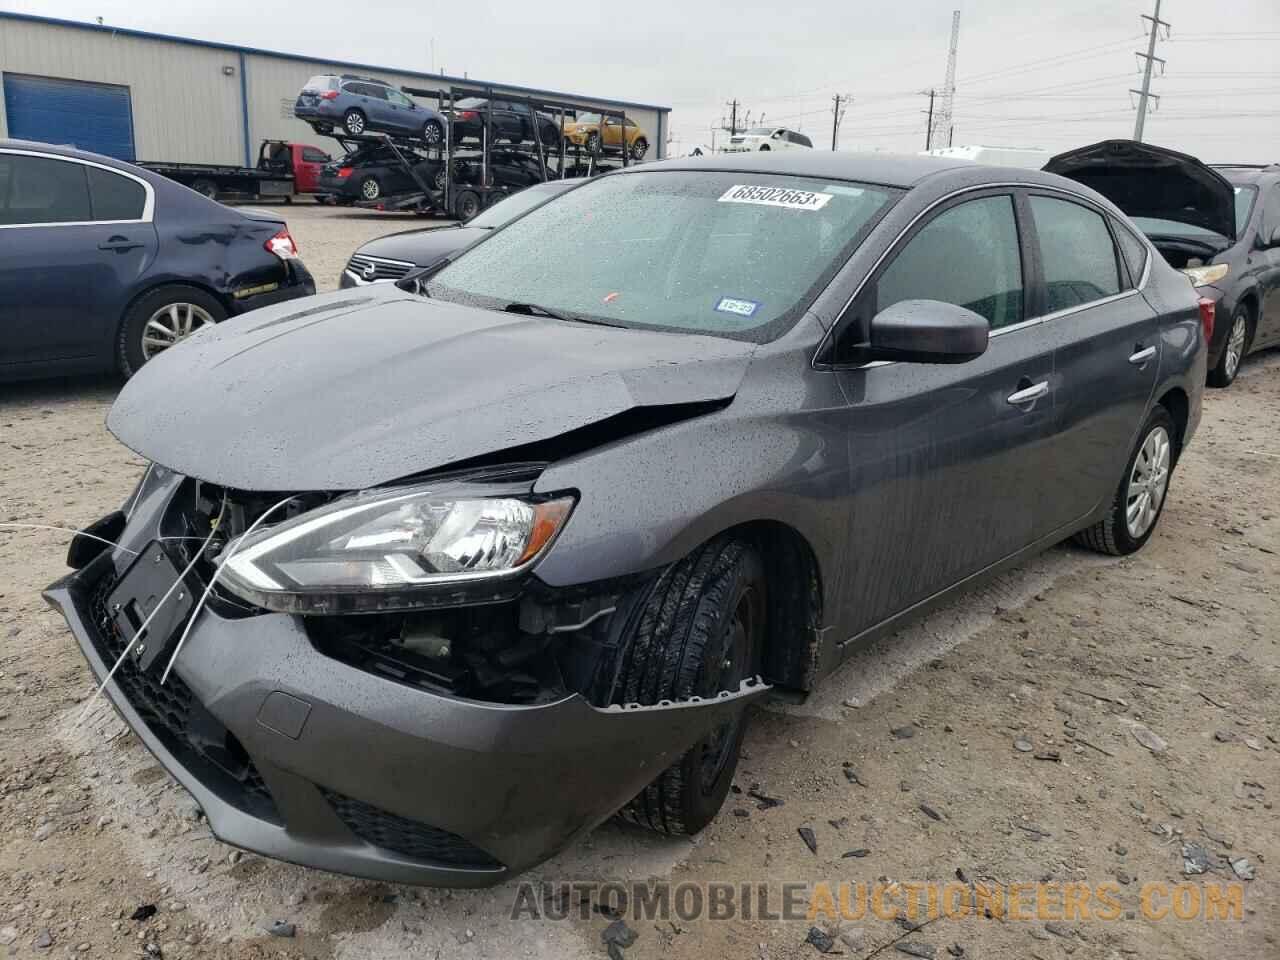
(1077, 253)
(115, 197)
(967, 255)
(42, 190)
(1133, 250)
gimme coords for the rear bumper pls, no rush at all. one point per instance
(298, 283)
(343, 770)
(324, 111)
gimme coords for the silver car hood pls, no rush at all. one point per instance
(350, 390)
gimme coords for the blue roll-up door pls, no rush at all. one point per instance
(91, 116)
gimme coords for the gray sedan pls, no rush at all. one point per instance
(423, 585)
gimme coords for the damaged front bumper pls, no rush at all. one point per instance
(308, 759)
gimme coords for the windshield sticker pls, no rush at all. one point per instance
(740, 308)
(776, 197)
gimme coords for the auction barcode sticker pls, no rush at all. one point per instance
(775, 197)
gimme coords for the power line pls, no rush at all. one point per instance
(1145, 95)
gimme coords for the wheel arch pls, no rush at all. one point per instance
(155, 283)
(1176, 401)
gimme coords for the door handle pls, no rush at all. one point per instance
(119, 243)
(1142, 356)
(1030, 394)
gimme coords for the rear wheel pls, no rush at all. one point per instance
(467, 205)
(1233, 351)
(1140, 500)
(702, 632)
(161, 318)
(370, 188)
(353, 121)
(639, 148)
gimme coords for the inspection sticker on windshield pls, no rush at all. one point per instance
(776, 197)
(741, 308)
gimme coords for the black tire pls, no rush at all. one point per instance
(593, 142)
(438, 178)
(701, 631)
(639, 148)
(370, 188)
(433, 133)
(467, 205)
(764, 148)
(1111, 535)
(206, 188)
(354, 122)
(1224, 372)
(129, 353)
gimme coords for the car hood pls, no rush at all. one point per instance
(1147, 181)
(353, 389)
(423, 247)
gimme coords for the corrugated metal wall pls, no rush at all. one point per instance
(184, 107)
(187, 98)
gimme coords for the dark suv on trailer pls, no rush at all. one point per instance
(361, 105)
(512, 121)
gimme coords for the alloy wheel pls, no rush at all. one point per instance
(432, 133)
(1148, 483)
(370, 189)
(354, 122)
(170, 324)
(1235, 345)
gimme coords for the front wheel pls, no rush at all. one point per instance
(593, 142)
(1224, 371)
(1140, 500)
(370, 188)
(161, 318)
(702, 631)
(639, 148)
(433, 133)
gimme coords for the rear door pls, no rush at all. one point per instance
(946, 472)
(1108, 350)
(77, 238)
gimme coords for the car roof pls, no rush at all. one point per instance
(74, 153)
(887, 169)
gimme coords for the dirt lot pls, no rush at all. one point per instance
(996, 742)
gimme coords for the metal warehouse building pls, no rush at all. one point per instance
(148, 96)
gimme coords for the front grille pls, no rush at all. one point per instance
(167, 711)
(373, 269)
(418, 841)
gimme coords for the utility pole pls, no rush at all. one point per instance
(837, 115)
(733, 118)
(928, 127)
(1145, 95)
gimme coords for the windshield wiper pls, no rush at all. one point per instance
(535, 310)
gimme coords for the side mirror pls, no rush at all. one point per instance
(928, 331)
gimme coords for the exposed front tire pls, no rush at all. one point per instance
(702, 631)
(159, 319)
(353, 121)
(593, 142)
(1139, 502)
(1234, 349)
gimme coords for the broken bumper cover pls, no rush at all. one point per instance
(303, 758)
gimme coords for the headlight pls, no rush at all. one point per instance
(1203, 276)
(386, 550)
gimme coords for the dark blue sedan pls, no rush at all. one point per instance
(105, 264)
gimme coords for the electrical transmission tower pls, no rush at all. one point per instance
(941, 126)
(1145, 95)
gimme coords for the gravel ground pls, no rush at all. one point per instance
(1071, 655)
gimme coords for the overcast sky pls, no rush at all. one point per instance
(1034, 75)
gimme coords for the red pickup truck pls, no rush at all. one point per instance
(283, 169)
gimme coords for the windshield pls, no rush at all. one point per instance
(322, 82)
(1244, 206)
(504, 211)
(736, 255)
(587, 118)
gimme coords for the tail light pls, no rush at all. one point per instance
(282, 245)
(345, 172)
(329, 95)
(1208, 312)
(468, 115)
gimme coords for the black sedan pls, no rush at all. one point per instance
(391, 257)
(1219, 225)
(107, 264)
(508, 120)
(486, 563)
(373, 171)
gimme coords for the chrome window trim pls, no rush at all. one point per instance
(1031, 321)
(148, 205)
